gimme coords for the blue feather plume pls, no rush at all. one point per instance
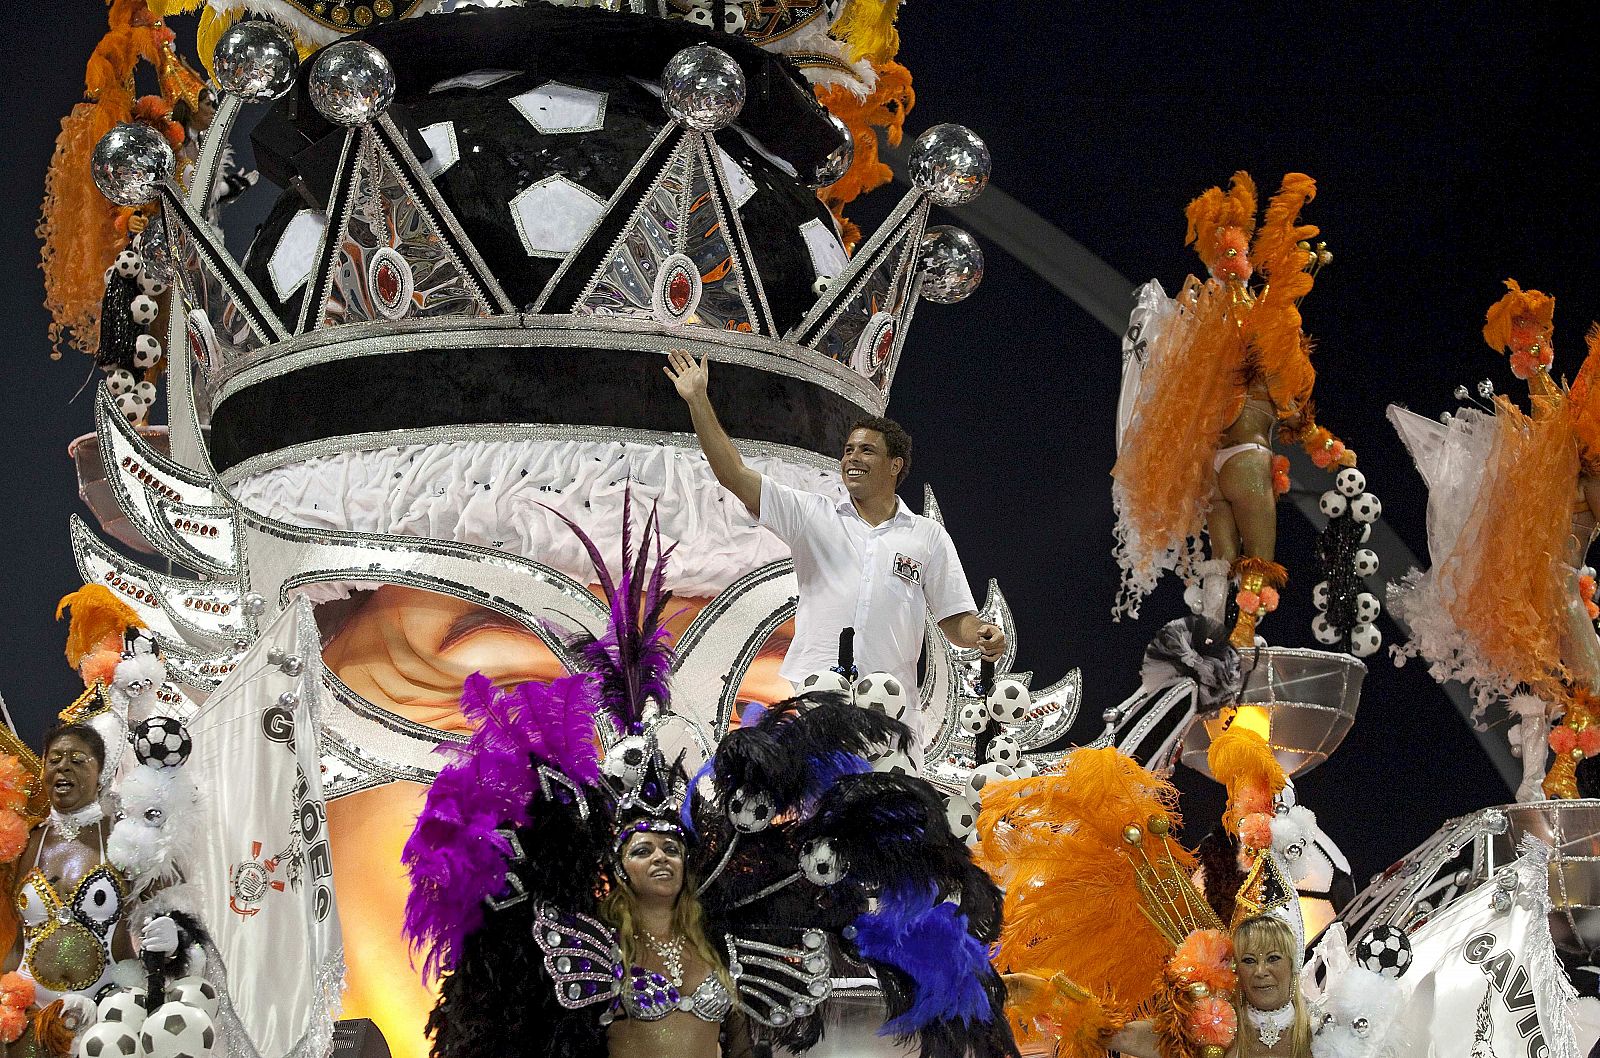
(928, 940)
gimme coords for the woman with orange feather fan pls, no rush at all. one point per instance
(1221, 366)
(1513, 497)
(1106, 942)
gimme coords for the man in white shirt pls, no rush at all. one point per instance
(866, 562)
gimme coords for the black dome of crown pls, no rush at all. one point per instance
(499, 152)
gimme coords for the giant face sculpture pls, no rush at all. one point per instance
(445, 340)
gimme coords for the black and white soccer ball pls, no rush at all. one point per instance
(1319, 595)
(1323, 630)
(128, 264)
(893, 762)
(1351, 482)
(974, 717)
(750, 810)
(1366, 508)
(825, 681)
(821, 863)
(162, 742)
(1009, 701)
(983, 775)
(1365, 639)
(107, 1039)
(124, 1007)
(1333, 503)
(962, 816)
(146, 351)
(174, 1030)
(626, 761)
(1366, 562)
(1367, 608)
(1003, 749)
(194, 992)
(882, 693)
(1385, 951)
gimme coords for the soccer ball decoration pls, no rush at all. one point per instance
(974, 717)
(194, 992)
(626, 761)
(162, 742)
(1323, 630)
(1367, 608)
(107, 1039)
(174, 1030)
(1365, 508)
(1003, 749)
(983, 775)
(825, 681)
(1350, 482)
(1365, 639)
(1366, 562)
(820, 863)
(962, 817)
(123, 1007)
(750, 811)
(1385, 951)
(1319, 595)
(1009, 701)
(1333, 503)
(882, 693)
(893, 763)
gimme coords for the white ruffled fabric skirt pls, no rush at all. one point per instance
(501, 494)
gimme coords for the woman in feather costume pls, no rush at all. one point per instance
(1211, 375)
(1107, 943)
(687, 918)
(1508, 606)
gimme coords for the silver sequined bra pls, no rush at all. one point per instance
(774, 984)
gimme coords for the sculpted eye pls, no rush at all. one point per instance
(154, 815)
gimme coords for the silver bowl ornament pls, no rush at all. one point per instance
(838, 161)
(351, 83)
(255, 61)
(951, 164)
(130, 162)
(703, 88)
(952, 264)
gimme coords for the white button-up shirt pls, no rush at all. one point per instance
(882, 580)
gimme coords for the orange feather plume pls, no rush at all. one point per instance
(1583, 404)
(885, 107)
(1072, 906)
(1243, 762)
(99, 620)
(1215, 211)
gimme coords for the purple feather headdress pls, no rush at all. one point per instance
(458, 853)
(634, 658)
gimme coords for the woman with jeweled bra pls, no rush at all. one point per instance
(609, 906)
(1215, 372)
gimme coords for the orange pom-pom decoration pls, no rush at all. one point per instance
(1269, 598)
(1592, 610)
(1563, 739)
(1214, 1022)
(1205, 957)
(1523, 365)
(13, 836)
(1255, 830)
(12, 1024)
(1589, 741)
(1233, 256)
(1323, 458)
(16, 990)
(101, 666)
(1586, 586)
(1248, 601)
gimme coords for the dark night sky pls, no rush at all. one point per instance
(1453, 146)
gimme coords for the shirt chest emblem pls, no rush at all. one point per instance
(907, 569)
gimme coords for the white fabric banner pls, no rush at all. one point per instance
(1484, 982)
(264, 869)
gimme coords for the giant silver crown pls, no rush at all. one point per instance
(367, 313)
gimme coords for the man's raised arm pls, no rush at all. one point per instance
(689, 377)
